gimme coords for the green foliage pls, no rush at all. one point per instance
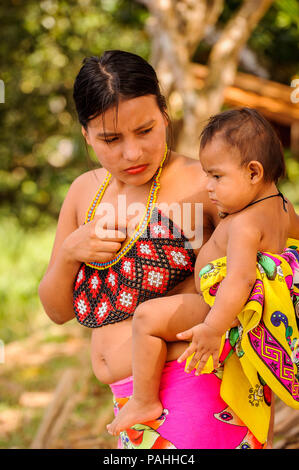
(290, 185)
(42, 48)
(276, 40)
(25, 255)
(41, 149)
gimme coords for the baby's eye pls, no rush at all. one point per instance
(216, 177)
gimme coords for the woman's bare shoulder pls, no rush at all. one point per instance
(83, 190)
(91, 177)
(189, 181)
(184, 169)
(182, 161)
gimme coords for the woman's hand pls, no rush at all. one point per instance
(94, 241)
(205, 342)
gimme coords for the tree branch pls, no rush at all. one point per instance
(234, 35)
(177, 26)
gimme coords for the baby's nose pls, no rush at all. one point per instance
(209, 185)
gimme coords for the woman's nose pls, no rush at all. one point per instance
(131, 151)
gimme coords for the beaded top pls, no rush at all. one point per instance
(156, 258)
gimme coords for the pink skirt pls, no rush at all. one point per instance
(194, 415)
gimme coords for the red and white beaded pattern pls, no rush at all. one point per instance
(154, 265)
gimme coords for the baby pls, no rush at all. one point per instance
(243, 160)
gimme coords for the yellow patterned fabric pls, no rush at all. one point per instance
(262, 353)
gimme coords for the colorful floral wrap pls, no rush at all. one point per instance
(262, 354)
(194, 416)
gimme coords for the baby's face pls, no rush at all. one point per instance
(228, 183)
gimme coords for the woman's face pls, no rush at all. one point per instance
(131, 143)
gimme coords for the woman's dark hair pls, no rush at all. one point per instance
(254, 137)
(103, 81)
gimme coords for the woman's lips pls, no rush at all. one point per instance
(136, 169)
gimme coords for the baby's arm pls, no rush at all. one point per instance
(243, 243)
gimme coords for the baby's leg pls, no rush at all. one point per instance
(155, 322)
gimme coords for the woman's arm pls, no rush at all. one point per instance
(72, 246)
(55, 289)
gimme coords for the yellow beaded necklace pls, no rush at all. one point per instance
(142, 224)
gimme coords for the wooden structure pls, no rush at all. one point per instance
(272, 99)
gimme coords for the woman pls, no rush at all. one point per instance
(102, 273)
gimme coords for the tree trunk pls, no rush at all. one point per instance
(176, 28)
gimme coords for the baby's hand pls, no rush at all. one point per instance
(205, 342)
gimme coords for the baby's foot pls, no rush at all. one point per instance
(132, 413)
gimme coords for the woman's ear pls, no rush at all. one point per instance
(256, 171)
(166, 118)
(85, 134)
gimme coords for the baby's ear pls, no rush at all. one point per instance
(256, 171)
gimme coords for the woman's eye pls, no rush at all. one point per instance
(146, 131)
(216, 177)
(111, 139)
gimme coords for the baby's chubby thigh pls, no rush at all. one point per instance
(151, 317)
(165, 317)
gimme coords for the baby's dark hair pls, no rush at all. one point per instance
(253, 136)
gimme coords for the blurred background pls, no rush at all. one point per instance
(210, 55)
